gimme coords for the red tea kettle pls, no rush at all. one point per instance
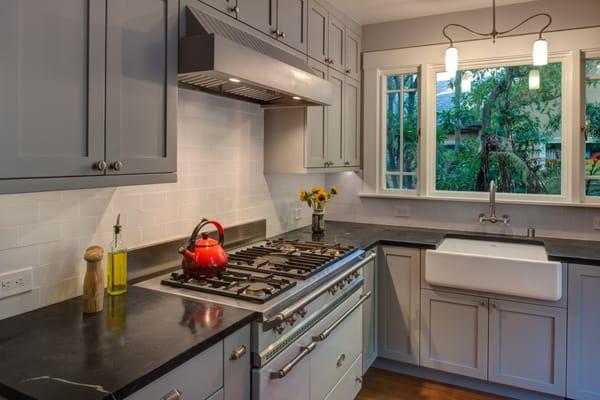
(206, 257)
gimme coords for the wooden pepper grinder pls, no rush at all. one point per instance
(93, 284)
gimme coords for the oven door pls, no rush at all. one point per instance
(287, 376)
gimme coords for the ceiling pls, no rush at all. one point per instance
(373, 11)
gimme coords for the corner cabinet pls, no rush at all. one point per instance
(583, 374)
(85, 92)
(398, 288)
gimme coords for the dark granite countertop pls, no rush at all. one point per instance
(366, 235)
(136, 338)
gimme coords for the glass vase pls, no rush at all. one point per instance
(318, 221)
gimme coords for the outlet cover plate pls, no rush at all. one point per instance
(298, 213)
(15, 282)
(597, 222)
(402, 211)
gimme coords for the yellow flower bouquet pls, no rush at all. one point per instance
(317, 199)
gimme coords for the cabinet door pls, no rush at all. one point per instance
(316, 144)
(352, 123)
(226, 6)
(398, 298)
(336, 46)
(259, 14)
(335, 120)
(292, 23)
(369, 349)
(318, 29)
(454, 333)
(528, 346)
(141, 85)
(236, 359)
(352, 54)
(583, 374)
(51, 88)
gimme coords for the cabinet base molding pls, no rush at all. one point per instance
(456, 380)
(8, 186)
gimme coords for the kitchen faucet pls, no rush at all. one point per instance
(492, 217)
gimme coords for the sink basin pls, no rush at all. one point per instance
(513, 269)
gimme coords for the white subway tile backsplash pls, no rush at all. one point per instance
(220, 176)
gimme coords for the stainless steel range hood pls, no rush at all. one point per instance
(218, 57)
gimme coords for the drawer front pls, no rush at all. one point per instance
(350, 384)
(334, 355)
(198, 378)
(237, 366)
(295, 383)
(217, 396)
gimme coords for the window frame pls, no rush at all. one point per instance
(586, 55)
(382, 167)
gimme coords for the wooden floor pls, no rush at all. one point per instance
(383, 385)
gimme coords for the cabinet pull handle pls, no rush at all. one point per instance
(304, 351)
(117, 165)
(235, 9)
(359, 379)
(347, 163)
(325, 334)
(340, 360)
(238, 353)
(100, 165)
(174, 394)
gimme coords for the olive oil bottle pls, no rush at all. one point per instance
(117, 263)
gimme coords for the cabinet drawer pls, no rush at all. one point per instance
(334, 355)
(198, 378)
(350, 384)
(237, 366)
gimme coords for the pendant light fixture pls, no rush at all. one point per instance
(540, 46)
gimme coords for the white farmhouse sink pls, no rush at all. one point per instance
(512, 269)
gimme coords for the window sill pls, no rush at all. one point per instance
(533, 202)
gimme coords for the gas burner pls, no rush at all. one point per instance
(251, 286)
(289, 258)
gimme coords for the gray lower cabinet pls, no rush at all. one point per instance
(141, 86)
(527, 346)
(369, 350)
(398, 283)
(237, 365)
(454, 333)
(51, 88)
(583, 373)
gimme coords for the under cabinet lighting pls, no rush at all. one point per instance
(297, 98)
(234, 80)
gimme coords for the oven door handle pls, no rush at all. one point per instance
(304, 351)
(325, 334)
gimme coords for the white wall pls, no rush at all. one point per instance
(220, 143)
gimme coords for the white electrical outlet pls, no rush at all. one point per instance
(298, 213)
(597, 222)
(402, 211)
(16, 282)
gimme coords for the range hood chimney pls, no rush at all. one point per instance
(218, 57)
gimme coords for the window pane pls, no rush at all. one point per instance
(409, 182)
(393, 181)
(411, 81)
(393, 133)
(409, 131)
(592, 123)
(496, 128)
(393, 82)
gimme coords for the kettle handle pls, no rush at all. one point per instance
(198, 228)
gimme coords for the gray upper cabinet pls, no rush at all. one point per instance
(292, 23)
(316, 146)
(528, 346)
(337, 39)
(141, 86)
(335, 120)
(226, 6)
(51, 88)
(398, 304)
(352, 123)
(583, 374)
(454, 333)
(259, 14)
(353, 49)
(318, 31)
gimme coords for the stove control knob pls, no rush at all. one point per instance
(291, 320)
(302, 312)
(341, 285)
(333, 290)
(279, 328)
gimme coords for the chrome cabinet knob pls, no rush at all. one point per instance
(346, 163)
(348, 71)
(117, 165)
(281, 35)
(100, 165)
(238, 353)
(482, 303)
(340, 360)
(235, 9)
(359, 379)
(174, 394)
(494, 305)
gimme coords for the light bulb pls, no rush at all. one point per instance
(534, 79)
(451, 60)
(540, 52)
(465, 82)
